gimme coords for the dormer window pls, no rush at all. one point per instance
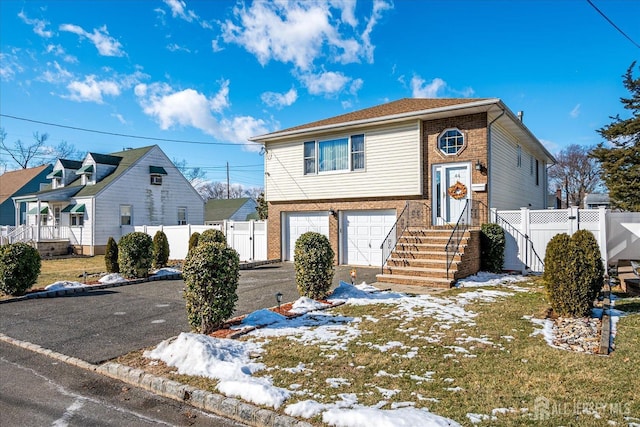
(87, 173)
(156, 173)
(56, 178)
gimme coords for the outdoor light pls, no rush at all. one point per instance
(353, 276)
(478, 165)
(333, 212)
(279, 299)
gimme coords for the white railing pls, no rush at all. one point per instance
(27, 233)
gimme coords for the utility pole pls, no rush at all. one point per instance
(227, 180)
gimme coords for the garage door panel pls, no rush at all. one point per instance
(363, 233)
(298, 223)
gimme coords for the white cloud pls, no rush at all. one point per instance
(39, 25)
(55, 74)
(421, 89)
(179, 10)
(575, 112)
(437, 88)
(355, 86)
(9, 66)
(215, 45)
(106, 45)
(59, 51)
(189, 107)
(120, 118)
(91, 90)
(174, 47)
(325, 83)
(297, 31)
(279, 100)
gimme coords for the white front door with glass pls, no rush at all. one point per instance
(451, 184)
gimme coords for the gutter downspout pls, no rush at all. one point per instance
(93, 226)
(489, 143)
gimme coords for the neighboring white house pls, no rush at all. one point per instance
(106, 195)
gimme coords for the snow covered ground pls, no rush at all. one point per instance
(233, 364)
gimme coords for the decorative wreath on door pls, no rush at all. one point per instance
(457, 191)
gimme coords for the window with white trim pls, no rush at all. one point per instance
(331, 155)
(156, 179)
(451, 141)
(76, 219)
(126, 214)
(182, 215)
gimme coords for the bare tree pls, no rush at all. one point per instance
(253, 192)
(220, 190)
(194, 175)
(575, 173)
(38, 153)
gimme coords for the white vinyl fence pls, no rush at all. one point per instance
(248, 238)
(528, 231)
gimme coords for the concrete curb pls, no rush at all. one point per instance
(227, 407)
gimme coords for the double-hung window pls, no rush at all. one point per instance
(182, 216)
(330, 155)
(125, 214)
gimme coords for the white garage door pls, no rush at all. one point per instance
(363, 233)
(298, 223)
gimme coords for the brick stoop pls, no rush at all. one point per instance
(420, 258)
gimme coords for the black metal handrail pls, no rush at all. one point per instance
(529, 248)
(416, 213)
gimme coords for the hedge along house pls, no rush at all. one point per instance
(106, 195)
(399, 184)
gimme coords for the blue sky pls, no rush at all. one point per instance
(218, 72)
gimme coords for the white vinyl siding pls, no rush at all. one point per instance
(392, 167)
(512, 187)
(151, 204)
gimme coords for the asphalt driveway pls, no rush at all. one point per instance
(100, 325)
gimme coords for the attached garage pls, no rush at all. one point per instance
(362, 235)
(298, 223)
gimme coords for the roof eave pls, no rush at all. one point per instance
(271, 137)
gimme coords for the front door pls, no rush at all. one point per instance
(451, 184)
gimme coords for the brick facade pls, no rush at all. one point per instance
(474, 129)
(274, 233)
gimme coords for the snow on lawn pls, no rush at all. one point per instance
(166, 271)
(112, 278)
(230, 361)
(484, 278)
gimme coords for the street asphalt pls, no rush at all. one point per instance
(99, 325)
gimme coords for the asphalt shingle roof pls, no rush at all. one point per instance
(11, 182)
(221, 209)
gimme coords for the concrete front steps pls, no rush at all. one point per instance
(420, 259)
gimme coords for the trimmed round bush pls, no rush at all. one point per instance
(193, 240)
(211, 273)
(573, 274)
(19, 268)
(212, 236)
(592, 274)
(492, 243)
(111, 256)
(134, 255)
(313, 261)
(160, 252)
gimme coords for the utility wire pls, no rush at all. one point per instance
(150, 138)
(613, 24)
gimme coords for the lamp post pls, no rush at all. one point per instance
(279, 299)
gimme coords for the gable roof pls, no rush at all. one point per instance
(221, 209)
(11, 182)
(402, 108)
(70, 164)
(105, 159)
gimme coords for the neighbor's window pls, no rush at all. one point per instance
(537, 173)
(451, 141)
(125, 215)
(340, 154)
(77, 220)
(156, 179)
(182, 216)
(309, 157)
(519, 156)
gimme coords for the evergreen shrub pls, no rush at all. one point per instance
(193, 240)
(111, 256)
(492, 243)
(160, 250)
(135, 255)
(211, 273)
(19, 268)
(313, 261)
(212, 236)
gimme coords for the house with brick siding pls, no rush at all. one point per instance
(388, 185)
